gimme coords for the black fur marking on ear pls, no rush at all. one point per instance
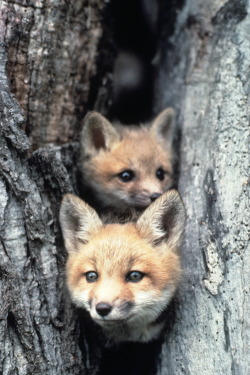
(98, 138)
(167, 224)
(169, 220)
(167, 127)
(74, 226)
(73, 222)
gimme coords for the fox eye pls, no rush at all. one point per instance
(91, 276)
(126, 176)
(160, 174)
(135, 276)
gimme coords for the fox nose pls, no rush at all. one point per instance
(154, 196)
(103, 308)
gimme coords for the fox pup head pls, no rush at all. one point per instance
(124, 275)
(127, 166)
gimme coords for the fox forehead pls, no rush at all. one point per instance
(114, 251)
(137, 150)
(116, 244)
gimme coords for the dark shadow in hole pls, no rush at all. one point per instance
(135, 31)
(130, 358)
(135, 42)
(137, 358)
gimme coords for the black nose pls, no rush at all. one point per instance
(103, 308)
(154, 196)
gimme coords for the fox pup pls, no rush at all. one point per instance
(127, 166)
(124, 275)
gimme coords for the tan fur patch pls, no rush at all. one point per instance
(141, 150)
(138, 151)
(147, 249)
(117, 250)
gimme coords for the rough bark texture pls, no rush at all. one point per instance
(48, 52)
(57, 62)
(206, 71)
(37, 326)
(52, 50)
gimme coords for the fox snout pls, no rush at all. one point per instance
(105, 312)
(103, 309)
(144, 199)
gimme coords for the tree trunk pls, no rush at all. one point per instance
(207, 78)
(52, 58)
(57, 60)
(48, 52)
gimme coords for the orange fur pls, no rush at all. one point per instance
(150, 247)
(109, 150)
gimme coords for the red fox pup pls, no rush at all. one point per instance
(124, 275)
(127, 166)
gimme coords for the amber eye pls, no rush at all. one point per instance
(160, 174)
(135, 276)
(126, 176)
(91, 276)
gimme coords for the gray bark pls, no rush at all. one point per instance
(208, 81)
(37, 326)
(49, 68)
(48, 61)
(52, 50)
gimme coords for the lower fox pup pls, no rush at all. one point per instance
(127, 166)
(124, 275)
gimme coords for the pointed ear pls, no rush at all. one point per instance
(164, 220)
(77, 220)
(162, 127)
(97, 133)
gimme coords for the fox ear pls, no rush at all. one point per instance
(164, 220)
(162, 127)
(97, 133)
(77, 220)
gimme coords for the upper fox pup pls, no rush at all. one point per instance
(124, 166)
(124, 275)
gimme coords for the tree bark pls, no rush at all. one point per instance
(52, 52)
(206, 73)
(38, 330)
(57, 59)
(49, 67)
